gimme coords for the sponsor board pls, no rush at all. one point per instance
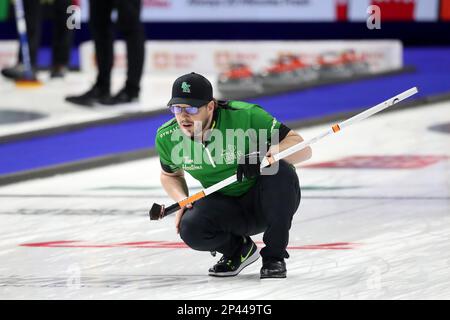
(8, 53)
(395, 10)
(213, 57)
(283, 10)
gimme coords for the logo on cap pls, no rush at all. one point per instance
(186, 87)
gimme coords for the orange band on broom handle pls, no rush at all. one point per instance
(158, 211)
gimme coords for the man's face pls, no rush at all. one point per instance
(194, 123)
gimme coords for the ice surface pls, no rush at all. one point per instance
(388, 229)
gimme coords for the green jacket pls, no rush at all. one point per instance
(216, 160)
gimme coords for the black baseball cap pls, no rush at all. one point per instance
(192, 89)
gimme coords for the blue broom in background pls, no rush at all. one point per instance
(29, 78)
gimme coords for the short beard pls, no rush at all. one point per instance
(199, 126)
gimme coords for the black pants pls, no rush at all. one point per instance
(133, 32)
(218, 222)
(61, 37)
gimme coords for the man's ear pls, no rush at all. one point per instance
(211, 105)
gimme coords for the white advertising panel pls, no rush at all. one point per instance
(8, 53)
(238, 10)
(212, 57)
(279, 10)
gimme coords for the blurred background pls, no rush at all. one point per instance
(85, 85)
(81, 101)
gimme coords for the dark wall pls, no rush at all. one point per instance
(411, 33)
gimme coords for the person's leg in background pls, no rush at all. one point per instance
(101, 28)
(217, 223)
(33, 20)
(62, 38)
(129, 21)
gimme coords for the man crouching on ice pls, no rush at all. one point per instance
(198, 141)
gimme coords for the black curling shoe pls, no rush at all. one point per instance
(232, 266)
(273, 268)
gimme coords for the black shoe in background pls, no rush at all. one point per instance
(58, 72)
(273, 268)
(91, 98)
(124, 96)
(17, 73)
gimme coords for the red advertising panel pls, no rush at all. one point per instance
(396, 10)
(445, 10)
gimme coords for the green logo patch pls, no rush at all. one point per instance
(186, 87)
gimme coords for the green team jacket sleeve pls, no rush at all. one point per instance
(163, 148)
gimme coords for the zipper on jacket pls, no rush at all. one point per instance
(209, 156)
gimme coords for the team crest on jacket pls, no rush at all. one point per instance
(230, 154)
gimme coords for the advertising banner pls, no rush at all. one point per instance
(282, 10)
(213, 57)
(8, 53)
